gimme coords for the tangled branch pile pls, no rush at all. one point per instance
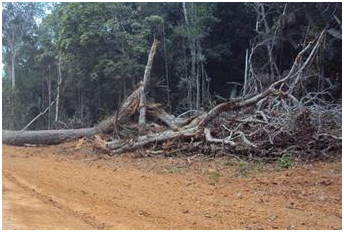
(285, 118)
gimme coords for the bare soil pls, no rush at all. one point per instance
(70, 187)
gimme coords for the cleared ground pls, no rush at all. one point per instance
(69, 187)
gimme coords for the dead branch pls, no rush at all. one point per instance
(122, 146)
(211, 139)
(39, 115)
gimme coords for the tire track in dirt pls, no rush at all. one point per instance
(86, 218)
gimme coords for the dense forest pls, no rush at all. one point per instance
(84, 59)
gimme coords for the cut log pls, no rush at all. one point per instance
(45, 137)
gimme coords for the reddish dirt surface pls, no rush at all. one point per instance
(69, 187)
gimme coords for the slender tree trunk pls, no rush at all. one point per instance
(192, 46)
(203, 86)
(189, 84)
(49, 101)
(80, 102)
(166, 70)
(58, 89)
(42, 102)
(198, 84)
(13, 75)
(246, 73)
(269, 47)
(233, 93)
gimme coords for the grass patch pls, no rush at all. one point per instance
(173, 170)
(229, 163)
(286, 161)
(215, 177)
(242, 169)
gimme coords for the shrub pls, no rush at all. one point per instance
(286, 161)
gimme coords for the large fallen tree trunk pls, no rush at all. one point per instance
(49, 137)
(46, 137)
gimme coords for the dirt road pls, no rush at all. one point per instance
(66, 187)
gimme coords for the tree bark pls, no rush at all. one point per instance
(166, 70)
(142, 117)
(246, 74)
(49, 100)
(13, 76)
(45, 137)
(58, 90)
(119, 146)
(192, 46)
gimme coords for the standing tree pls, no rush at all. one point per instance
(18, 22)
(198, 19)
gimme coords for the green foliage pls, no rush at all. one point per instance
(229, 163)
(155, 21)
(175, 170)
(286, 161)
(103, 48)
(214, 177)
(242, 169)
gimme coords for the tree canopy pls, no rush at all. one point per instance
(92, 55)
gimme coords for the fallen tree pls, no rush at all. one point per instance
(198, 127)
(274, 118)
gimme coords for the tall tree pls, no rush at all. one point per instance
(18, 22)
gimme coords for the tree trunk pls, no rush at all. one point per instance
(246, 74)
(192, 46)
(13, 75)
(197, 79)
(49, 100)
(45, 137)
(269, 47)
(166, 70)
(142, 117)
(58, 90)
